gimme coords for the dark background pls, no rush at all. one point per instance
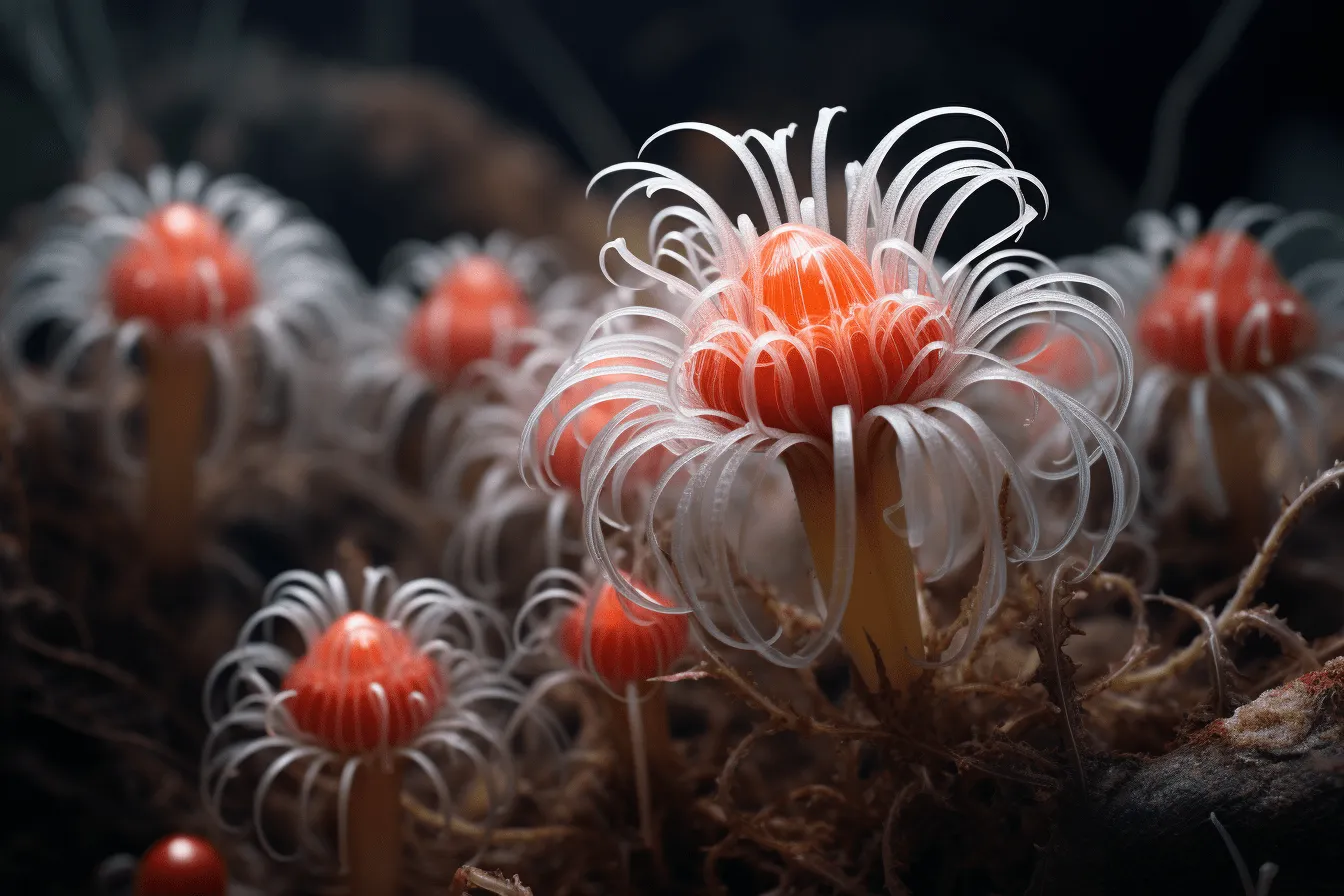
(1076, 85)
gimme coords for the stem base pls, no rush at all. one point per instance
(883, 601)
(178, 380)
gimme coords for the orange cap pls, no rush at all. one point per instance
(363, 685)
(180, 269)
(628, 642)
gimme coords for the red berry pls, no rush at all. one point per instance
(181, 865)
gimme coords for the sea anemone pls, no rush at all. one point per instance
(1237, 336)
(410, 681)
(856, 362)
(478, 483)
(1074, 358)
(210, 306)
(623, 648)
(616, 641)
(468, 300)
(442, 309)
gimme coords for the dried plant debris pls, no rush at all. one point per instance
(1067, 740)
(467, 879)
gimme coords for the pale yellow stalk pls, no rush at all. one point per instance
(883, 600)
(638, 724)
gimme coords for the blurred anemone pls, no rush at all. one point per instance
(859, 364)
(1239, 342)
(226, 261)
(476, 479)
(442, 310)
(411, 676)
(1075, 357)
(463, 301)
(622, 647)
(593, 628)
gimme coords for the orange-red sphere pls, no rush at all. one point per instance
(181, 865)
(180, 269)
(628, 642)
(1224, 305)
(363, 685)
(812, 286)
(480, 280)
(465, 317)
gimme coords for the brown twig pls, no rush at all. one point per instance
(1265, 620)
(890, 864)
(461, 828)
(1251, 582)
(469, 876)
(1050, 629)
(1264, 558)
(115, 675)
(1138, 645)
(1220, 666)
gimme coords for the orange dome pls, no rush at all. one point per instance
(629, 643)
(337, 686)
(1224, 305)
(464, 317)
(480, 280)
(180, 269)
(813, 287)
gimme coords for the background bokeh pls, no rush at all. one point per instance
(336, 102)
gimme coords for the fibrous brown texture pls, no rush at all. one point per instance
(791, 779)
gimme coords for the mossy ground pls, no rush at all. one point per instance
(996, 775)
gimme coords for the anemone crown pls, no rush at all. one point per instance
(479, 280)
(627, 643)
(811, 326)
(358, 666)
(180, 269)
(1223, 305)
(807, 275)
(465, 315)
